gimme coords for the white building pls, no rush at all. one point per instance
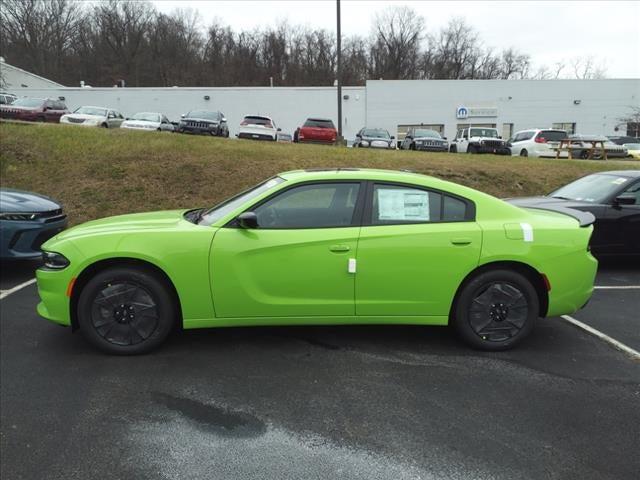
(580, 106)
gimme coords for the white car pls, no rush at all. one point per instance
(537, 143)
(479, 140)
(258, 127)
(148, 121)
(93, 117)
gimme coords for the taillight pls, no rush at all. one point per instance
(541, 140)
(268, 125)
(244, 123)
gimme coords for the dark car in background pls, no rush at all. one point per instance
(374, 138)
(7, 98)
(204, 122)
(424, 139)
(612, 197)
(27, 220)
(317, 130)
(34, 110)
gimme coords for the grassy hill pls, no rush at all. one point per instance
(98, 172)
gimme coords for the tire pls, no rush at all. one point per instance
(453, 149)
(506, 300)
(584, 155)
(104, 125)
(412, 146)
(139, 324)
(524, 153)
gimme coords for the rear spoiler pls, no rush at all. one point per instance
(584, 218)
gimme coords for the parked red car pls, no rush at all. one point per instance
(317, 130)
(34, 110)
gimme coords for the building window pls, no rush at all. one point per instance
(462, 126)
(633, 129)
(570, 128)
(403, 129)
(507, 130)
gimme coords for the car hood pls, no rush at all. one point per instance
(430, 138)
(85, 116)
(198, 119)
(141, 124)
(166, 219)
(573, 208)
(17, 201)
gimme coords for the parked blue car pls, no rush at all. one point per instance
(27, 220)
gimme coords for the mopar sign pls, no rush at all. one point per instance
(463, 113)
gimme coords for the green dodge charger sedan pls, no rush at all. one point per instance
(320, 247)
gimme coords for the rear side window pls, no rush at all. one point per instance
(552, 135)
(395, 204)
(321, 205)
(522, 136)
(317, 123)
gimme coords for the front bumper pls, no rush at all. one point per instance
(198, 130)
(432, 148)
(23, 239)
(495, 150)
(54, 303)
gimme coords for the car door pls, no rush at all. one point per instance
(416, 246)
(408, 138)
(297, 262)
(50, 114)
(623, 223)
(165, 124)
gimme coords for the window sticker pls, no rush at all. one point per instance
(403, 204)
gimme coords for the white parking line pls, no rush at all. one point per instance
(6, 293)
(617, 287)
(611, 341)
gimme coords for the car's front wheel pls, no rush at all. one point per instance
(495, 310)
(524, 153)
(126, 310)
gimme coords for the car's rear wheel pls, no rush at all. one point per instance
(524, 153)
(496, 310)
(126, 311)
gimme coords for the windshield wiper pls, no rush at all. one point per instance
(561, 198)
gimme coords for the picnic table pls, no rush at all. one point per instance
(570, 145)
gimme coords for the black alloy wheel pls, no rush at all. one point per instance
(126, 310)
(495, 310)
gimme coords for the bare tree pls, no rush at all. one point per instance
(632, 119)
(398, 33)
(587, 68)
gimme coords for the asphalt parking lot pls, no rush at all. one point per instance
(323, 403)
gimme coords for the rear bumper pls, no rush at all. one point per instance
(24, 239)
(319, 142)
(571, 277)
(256, 136)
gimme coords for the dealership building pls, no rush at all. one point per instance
(579, 106)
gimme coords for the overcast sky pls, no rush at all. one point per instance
(549, 31)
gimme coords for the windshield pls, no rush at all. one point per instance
(216, 213)
(28, 102)
(318, 123)
(147, 117)
(596, 188)
(427, 133)
(484, 132)
(100, 112)
(202, 114)
(375, 133)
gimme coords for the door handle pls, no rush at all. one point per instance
(339, 248)
(461, 241)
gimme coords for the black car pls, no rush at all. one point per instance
(424, 139)
(614, 199)
(204, 122)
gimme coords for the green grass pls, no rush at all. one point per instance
(97, 172)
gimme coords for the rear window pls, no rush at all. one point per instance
(552, 135)
(251, 120)
(318, 123)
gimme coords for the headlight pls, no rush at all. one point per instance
(54, 261)
(18, 216)
(364, 143)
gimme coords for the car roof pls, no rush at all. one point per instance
(316, 119)
(95, 106)
(251, 115)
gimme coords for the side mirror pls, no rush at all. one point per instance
(224, 119)
(409, 137)
(393, 137)
(248, 220)
(625, 199)
(183, 115)
(358, 135)
(279, 130)
(444, 138)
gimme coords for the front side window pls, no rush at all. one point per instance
(28, 102)
(322, 205)
(397, 204)
(633, 190)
